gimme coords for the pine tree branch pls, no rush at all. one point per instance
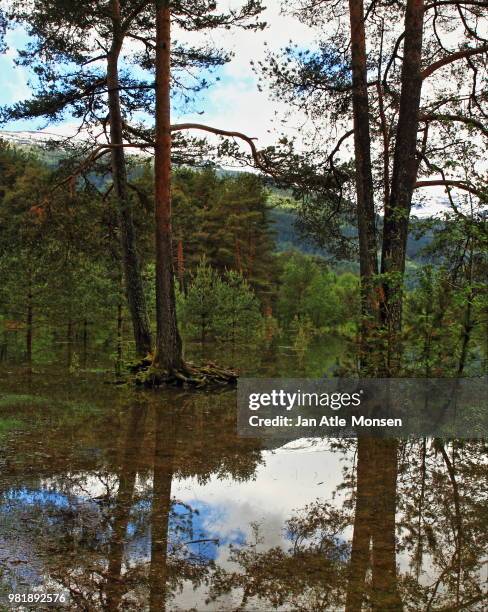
(257, 156)
(479, 3)
(259, 159)
(453, 57)
(460, 184)
(471, 121)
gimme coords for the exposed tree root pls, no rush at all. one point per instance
(191, 376)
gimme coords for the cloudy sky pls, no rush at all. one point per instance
(232, 102)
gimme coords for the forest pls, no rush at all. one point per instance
(93, 249)
(109, 251)
(193, 192)
(63, 299)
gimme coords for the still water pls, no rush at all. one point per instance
(150, 501)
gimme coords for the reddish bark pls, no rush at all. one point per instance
(168, 354)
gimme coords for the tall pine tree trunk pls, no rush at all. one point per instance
(373, 543)
(385, 594)
(120, 330)
(468, 323)
(168, 347)
(69, 343)
(180, 258)
(363, 519)
(123, 504)
(364, 186)
(405, 166)
(131, 265)
(164, 459)
(85, 342)
(29, 326)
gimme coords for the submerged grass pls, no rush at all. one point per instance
(10, 400)
(9, 424)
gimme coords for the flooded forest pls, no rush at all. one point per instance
(196, 192)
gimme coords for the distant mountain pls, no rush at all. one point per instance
(36, 144)
(282, 215)
(288, 238)
(28, 138)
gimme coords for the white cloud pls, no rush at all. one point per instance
(235, 103)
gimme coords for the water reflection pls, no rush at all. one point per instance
(373, 541)
(147, 501)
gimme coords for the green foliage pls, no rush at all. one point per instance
(239, 318)
(57, 273)
(446, 323)
(200, 304)
(309, 289)
(227, 218)
(224, 308)
(303, 331)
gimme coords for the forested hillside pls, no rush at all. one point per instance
(245, 272)
(243, 366)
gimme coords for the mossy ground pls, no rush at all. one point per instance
(146, 374)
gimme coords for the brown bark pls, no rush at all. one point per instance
(168, 346)
(85, 342)
(180, 258)
(364, 181)
(123, 504)
(459, 184)
(131, 265)
(165, 446)
(468, 318)
(453, 57)
(397, 213)
(120, 322)
(69, 343)
(363, 518)
(385, 596)
(4, 347)
(29, 329)
(373, 543)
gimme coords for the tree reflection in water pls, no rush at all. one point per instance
(112, 533)
(97, 512)
(419, 538)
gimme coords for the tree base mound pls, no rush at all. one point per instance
(190, 376)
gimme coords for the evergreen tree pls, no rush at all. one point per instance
(202, 300)
(371, 78)
(223, 308)
(57, 278)
(238, 316)
(77, 53)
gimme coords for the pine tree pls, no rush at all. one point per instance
(63, 38)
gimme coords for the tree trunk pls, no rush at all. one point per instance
(85, 342)
(168, 348)
(363, 518)
(29, 329)
(123, 505)
(4, 347)
(397, 213)
(419, 549)
(180, 257)
(385, 594)
(373, 543)
(468, 318)
(238, 256)
(69, 343)
(120, 322)
(164, 457)
(132, 271)
(364, 185)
